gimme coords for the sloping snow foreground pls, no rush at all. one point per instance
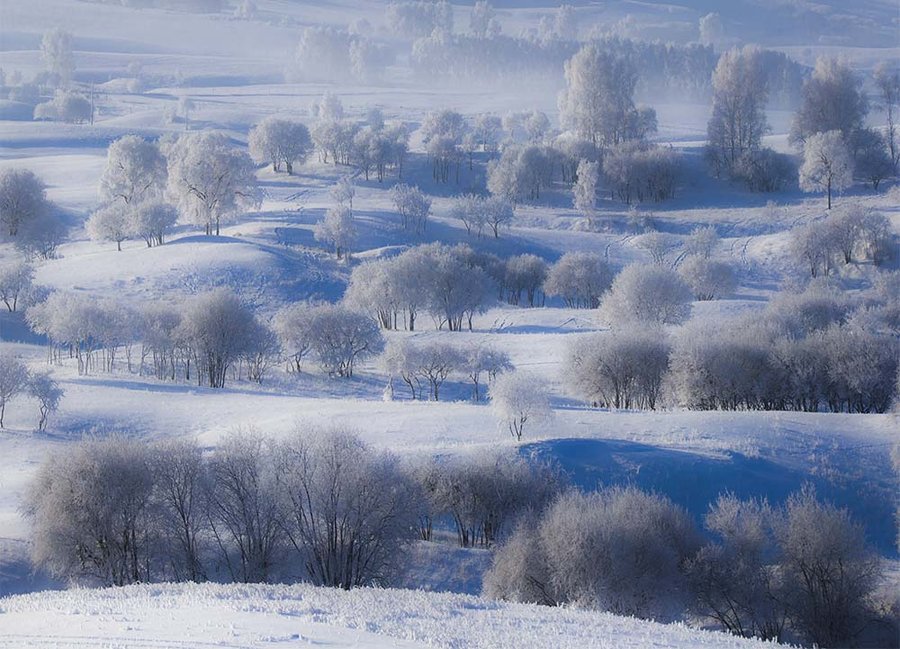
(209, 615)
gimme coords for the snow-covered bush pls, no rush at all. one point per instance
(524, 274)
(91, 512)
(649, 294)
(708, 279)
(347, 510)
(579, 278)
(702, 241)
(622, 369)
(279, 142)
(485, 494)
(517, 399)
(67, 107)
(619, 550)
(635, 170)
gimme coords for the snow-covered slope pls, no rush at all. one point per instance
(298, 616)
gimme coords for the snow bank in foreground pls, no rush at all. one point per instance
(254, 616)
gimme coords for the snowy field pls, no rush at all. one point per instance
(233, 72)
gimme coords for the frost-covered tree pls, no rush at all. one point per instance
(524, 274)
(48, 395)
(216, 328)
(585, 188)
(422, 364)
(412, 205)
(518, 398)
(343, 192)
(347, 510)
(659, 245)
(14, 377)
(110, 223)
(457, 288)
(243, 507)
(498, 213)
(210, 179)
(597, 103)
(23, 199)
(622, 369)
(707, 279)
(712, 31)
(151, 221)
(484, 360)
(634, 170)
(831, 570)
(481, 18)
(469, 209)
(740, 92)
(827, 164)
(442, 134)
(135, 171)
(887, 80)
(872, 157)
(341, 337)
(487, 130)
(579, 278)
(16, 282)
(337, 230)
(649, 294)
(56, 51)
(520, 173)
(91, 512)
(832, 100)
(279, 142)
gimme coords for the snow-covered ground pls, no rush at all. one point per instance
(298, 616)
(232, 70)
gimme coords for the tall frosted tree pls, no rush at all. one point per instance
(827, 165)
(135, 171)
(738, 119)
(887, 80)
(832, 100)
(56, 50)
(210, 180)
(598, 101)
(585, 189)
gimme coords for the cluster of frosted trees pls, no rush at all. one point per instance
(852, 233)
(317, 507)
(27, 218)
(147, 184)
(801, 571)
(829, 126)
(326, 53)
(17, 380)
(806, 351)
(482, 495)
(373, 147)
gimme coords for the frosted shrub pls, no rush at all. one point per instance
(91, 512)
(620, 550)
(708, 279)
(647, 294)
(702, 241)
(622, 369)
(579, 278)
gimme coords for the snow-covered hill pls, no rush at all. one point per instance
(298, 616)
